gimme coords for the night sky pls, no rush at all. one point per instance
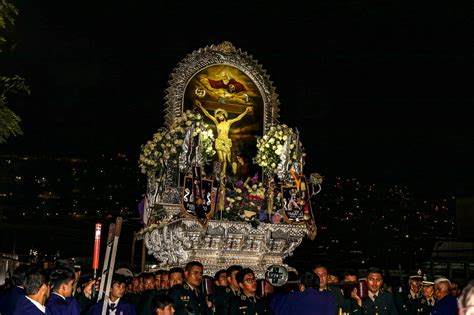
(374, 87)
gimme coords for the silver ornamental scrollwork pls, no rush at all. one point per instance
(168, 244)
(223, 54)
(222, 243)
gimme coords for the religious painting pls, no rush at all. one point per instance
(197, 197)
(295, 203)
(232, 105)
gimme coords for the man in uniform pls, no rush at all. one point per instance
(10, 297)
(248, 303)
(427, 292)
(224, 295)
(187, 297)
(116, 305)
(60, 299)
(410, 303)
(37, 288)
(378, 302)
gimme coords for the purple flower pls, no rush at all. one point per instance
(254, 179)
(239, 184)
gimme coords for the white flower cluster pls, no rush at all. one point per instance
(166, 144)
(271, 146)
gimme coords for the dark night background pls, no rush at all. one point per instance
(375, 88)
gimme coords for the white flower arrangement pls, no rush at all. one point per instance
(166, 145)
(271, 146)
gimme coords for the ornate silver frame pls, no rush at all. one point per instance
(222, 54)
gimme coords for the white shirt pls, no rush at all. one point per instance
(372, 295)
(115, 303)
(42, 308)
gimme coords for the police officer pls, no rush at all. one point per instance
(427, 295)
(409, 303)
(248, 303)
(187, 297)
(224, 295)
(378, 302)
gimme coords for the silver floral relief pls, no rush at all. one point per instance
(225, 54)
(221, 243)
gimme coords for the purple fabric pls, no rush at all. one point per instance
(141, 209)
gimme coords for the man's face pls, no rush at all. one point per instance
(232, 281)
(158, 281)
(164, 281)
(194, 276)
(454, 289)
(350, 278)
(222, 280)
(415, 285)
(441, 290)
(135, 285)
(68, 288)
(249, 284)
(175, 278)
(149, 283)
(375, 282)
(427, 291)
(117, 291)
(323, 276)
(168, 310)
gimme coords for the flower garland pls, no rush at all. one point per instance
(166, 145)
(244, 201)
(270, 147)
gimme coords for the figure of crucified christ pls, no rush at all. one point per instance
(223, 143)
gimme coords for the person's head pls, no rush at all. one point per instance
(36, 284)
(414, 282)
(322, 272)
(175, 276)
(148, 281)
(193, 273)
(71, 265)
(427, 286)
(136, 284)
(309, 280)
(442, 287)
(333, 279)
(62, 281)
(231, 273)
(162, 304)
(220, 114)
(164, 280)
(157, 277)
(455, 288)
(466, 299)
(374, 279)
(118, 287)
(350, 276)
(247, 281)
(19, 274)
(220, 278)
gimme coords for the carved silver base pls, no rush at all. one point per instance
(221, 243)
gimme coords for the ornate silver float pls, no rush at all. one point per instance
(223, 78)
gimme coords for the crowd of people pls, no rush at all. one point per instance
(236, 290)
